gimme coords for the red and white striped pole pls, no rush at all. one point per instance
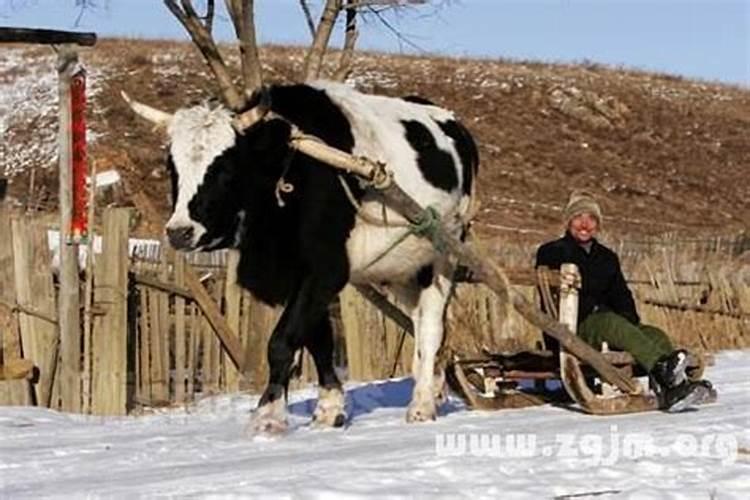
(79, 224)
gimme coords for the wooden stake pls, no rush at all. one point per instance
(68, 300)
(232, 299)
(179, 336)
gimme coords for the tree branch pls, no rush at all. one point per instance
(401, 38)
(317, 51)
(209, 19)
(350, 40)
(205, 43)
(243, 19)
(359, 4)
(308, 17)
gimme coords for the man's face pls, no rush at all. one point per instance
(583, 227)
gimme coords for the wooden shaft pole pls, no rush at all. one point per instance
(482, 268)
(493, 277)
(387, 307)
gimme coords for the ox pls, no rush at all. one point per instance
(302, 249)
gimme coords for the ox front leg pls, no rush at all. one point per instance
(300, 325)
(271, 416)
(428, 321)
(329, 411)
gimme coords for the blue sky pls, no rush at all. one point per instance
(708, 39)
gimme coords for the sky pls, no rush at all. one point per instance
(704, 39)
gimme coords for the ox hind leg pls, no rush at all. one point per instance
(304, 311)
(330, 408)
(428, 316)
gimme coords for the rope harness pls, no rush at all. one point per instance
(427, 227)
(282, 186)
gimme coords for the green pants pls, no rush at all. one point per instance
(646, 343)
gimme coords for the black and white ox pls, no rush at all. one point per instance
(302, 254)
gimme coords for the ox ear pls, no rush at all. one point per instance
(159, 118)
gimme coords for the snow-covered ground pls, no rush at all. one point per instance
(537, 453)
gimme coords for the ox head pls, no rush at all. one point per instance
(204, 162)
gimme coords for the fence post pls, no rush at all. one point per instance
(69, 299)
(232, 301)
(10, 344)
(109, 337)
(12, 392)
(180, 337)
(34, 290)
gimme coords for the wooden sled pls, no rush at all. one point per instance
(517, 380)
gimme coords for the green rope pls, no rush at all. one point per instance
(426, 227)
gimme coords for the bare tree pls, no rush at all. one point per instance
(199, 29)
(241, 13)
(322, 33)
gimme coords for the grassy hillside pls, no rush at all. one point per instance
(664, 154)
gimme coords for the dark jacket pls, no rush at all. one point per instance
(603, 285)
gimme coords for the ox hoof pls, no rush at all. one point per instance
(267, 426)
(269, 419)
(330, 409)
(421, 413)
(332, 420)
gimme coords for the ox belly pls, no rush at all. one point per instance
(374, 259)
(380, 254)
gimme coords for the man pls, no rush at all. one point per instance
(607, 311)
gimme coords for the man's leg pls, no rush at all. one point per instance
(646, 343)
(653, 350)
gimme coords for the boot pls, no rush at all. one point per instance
(669, 370)
(671, 385)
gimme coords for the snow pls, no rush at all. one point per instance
(201, 450)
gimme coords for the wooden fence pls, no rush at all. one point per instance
(162, 328)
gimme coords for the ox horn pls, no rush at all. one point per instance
(245, 120)
(158, 117)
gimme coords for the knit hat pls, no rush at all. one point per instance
(581, 202)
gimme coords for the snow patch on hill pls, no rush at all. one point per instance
(28, 109)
